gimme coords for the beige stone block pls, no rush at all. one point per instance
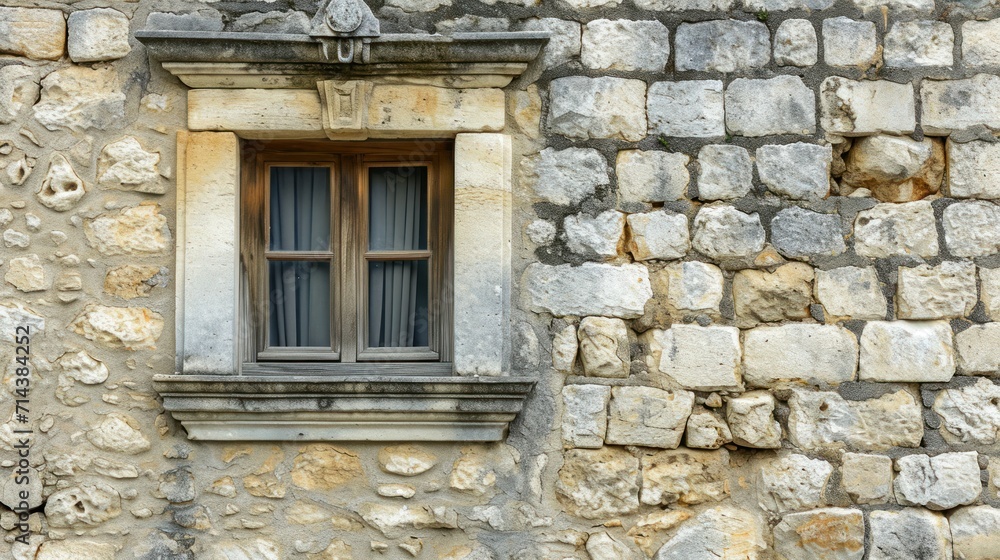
(36, 34)
(413, 110)
(257, 113)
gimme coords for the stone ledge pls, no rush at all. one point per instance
(343, 408)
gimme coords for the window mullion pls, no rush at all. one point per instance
(350, 246)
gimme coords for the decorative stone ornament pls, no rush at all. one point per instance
(345, 26)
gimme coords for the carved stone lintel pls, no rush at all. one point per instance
(345, 108)
(344, 18)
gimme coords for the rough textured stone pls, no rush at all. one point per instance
(971, 169)
(763, 297)
(970, 414)
(599, 483)
(793, 482)
(977, 349)
(119, 433)
(989, 279)
(274, 22)
(658, 235)
(564, 349)
(975, 532)
(907, 351)
(589, 289)
(585, 108)
(947, 106)
(721, 533)
(798, 171)
(81, 366)
(919, 6)
(80, 99)
(567, 176)
(601, 546)
(945, 291)
(724, 45)
(780, 105)
(137, 230)
(908, 533)
(564, 43)
(694, 287)
(650, 177)
(323, 467)
(751, 420)
(941, 482)
(405, 460)
(677, 357)
(133, 281)
(785, 5)
(126, 166)
(981, 43)
(62, 188)
(81, 506)
(797, 353)
(418, 5)
(706, 430)
(597, 236)
(726, 172)
(35, 34)
(795, 43)
(917, 44)
(804, 234)
(26, 274)
(857, 108)
(648, 417)
(896, 229)
(829, 533)
(130, 328)
(97, 35)
(685, 477)
(18, 89)
(721, 231)
(625, 45)
(604, 347)
(686, 109)
(585, 415)
(476, 473)
(683, 5)
(867, 479)
(894, 168)
(823, 420)
(972, 229)
(72, 549)
(14, 314)
(201, 20)
(849, 43)
(850, 293)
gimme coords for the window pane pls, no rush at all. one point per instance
(300, 303)
(397, 208)
(397, 304)
(300, 208)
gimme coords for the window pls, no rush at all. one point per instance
(347, 252)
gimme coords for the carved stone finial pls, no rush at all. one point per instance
(344, 18)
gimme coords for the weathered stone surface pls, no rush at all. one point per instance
(418, 5)
(648, 177)
(721, 231)
(652, 531)
(786, 5)
(130, 328)
(72, 549)
(648, 417)
(18, 89)
(625, 45)
(971, 168)
(658, 235)
(132, 281)
(405, 460)
(599, 483)
(35, 34)
(907, 351)
(981, 43)
(541, 232)
(323, 467)
(847, 42)
(793, 482)
(686, 109)
(274, 22)
(726, 172)
(989, 280)
(908, 533)
(896, 229)
(589, 289)
(721, 533)
(763, 297)
(605, 107)
(975, 532)
(706, 430)
(475, 472)
(857, 108)
(250, 549)
(947, 106)
(177, 486)
(604, 347)
(683, 5)
(26, 274)
(823, 420)
(795, 43)
(81, 366)
(85, 505)
(80, 99)
(120, 433)
(828, 533)
(804, 234)
(799, 353)
(694, 286)
(585, 415)
(97, 35)
(62, 188)
(597, 236)
(798, 171)
(14, 238)
(867, 479)
(917, 44)
(970, 414)
(564, 43)
(564, 349)
(895, 168)
(567, 176)
(677, 357)
(125, 165)
(724, 45)
(919, 6)
(977, 349)
(137, 230)
(945, 291)
(751, 420)
(602, 546)
(972, 229)
(201, 20)
(780, 105)
(685, 477)
(14, 314)
(941, 482)
(266, 485)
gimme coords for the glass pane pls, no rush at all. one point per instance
(397, 209)
(300, 208)
(397, 304)
(300, 303)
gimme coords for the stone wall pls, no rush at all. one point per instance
(757, 262)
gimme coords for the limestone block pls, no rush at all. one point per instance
(14, 238)
(763, 297)
(18, 89)
(597, 236)
(564, 349)
(970, 414)
(476, 473)
(177, 486)
(947, 106)
(940, 482)
(86, 505)
(650, 176)
(687, 109)
(585, 415)
(405, 460)
(602, 546)
(847, 42)
(201, 20)
(292, 22)
(251, 549)
(257, 112)
(799, 353)
(584, 108)
(918, 6)
(541, 232)
(604, 347)
(830, 533)
(721, 231)
(658, 235)
(589, 289)
(780, 105)
(804, 234)
(133, 281)
(588, 4)
(751, 420)
(684, 5)
(685, 477)
(798, 171)
(35, 34)
(694, 287)
(648, 417)
(793, 482)
(14, 314)
(888, 230)
(137, 230)
(599, 483)
(97, 35)
(981, 43)
(722, 533)
(972, 229)
(917, 44)
(131, 328)
(723, 45)
(795, 43)
(26, 274)
(396, 110)
(78, 98)
(71, 549)
(81, 366)
(895, 168)
(971, 168)
(867, 479)
(125, 165)
(706, 430)
(526, 108)
(567, 176)
(726, 172)
(859, 108)
(625, 45)
(120, 433)
(946, 291)
(786, 5)
(907, 351)
(564, 43)
(989, 279)
(821, 420)
(677, 357)
(977, 349)
(908, 533)
(418, 5)
(975, 532)
(850, 293)
(323, 467)
(62, 188)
